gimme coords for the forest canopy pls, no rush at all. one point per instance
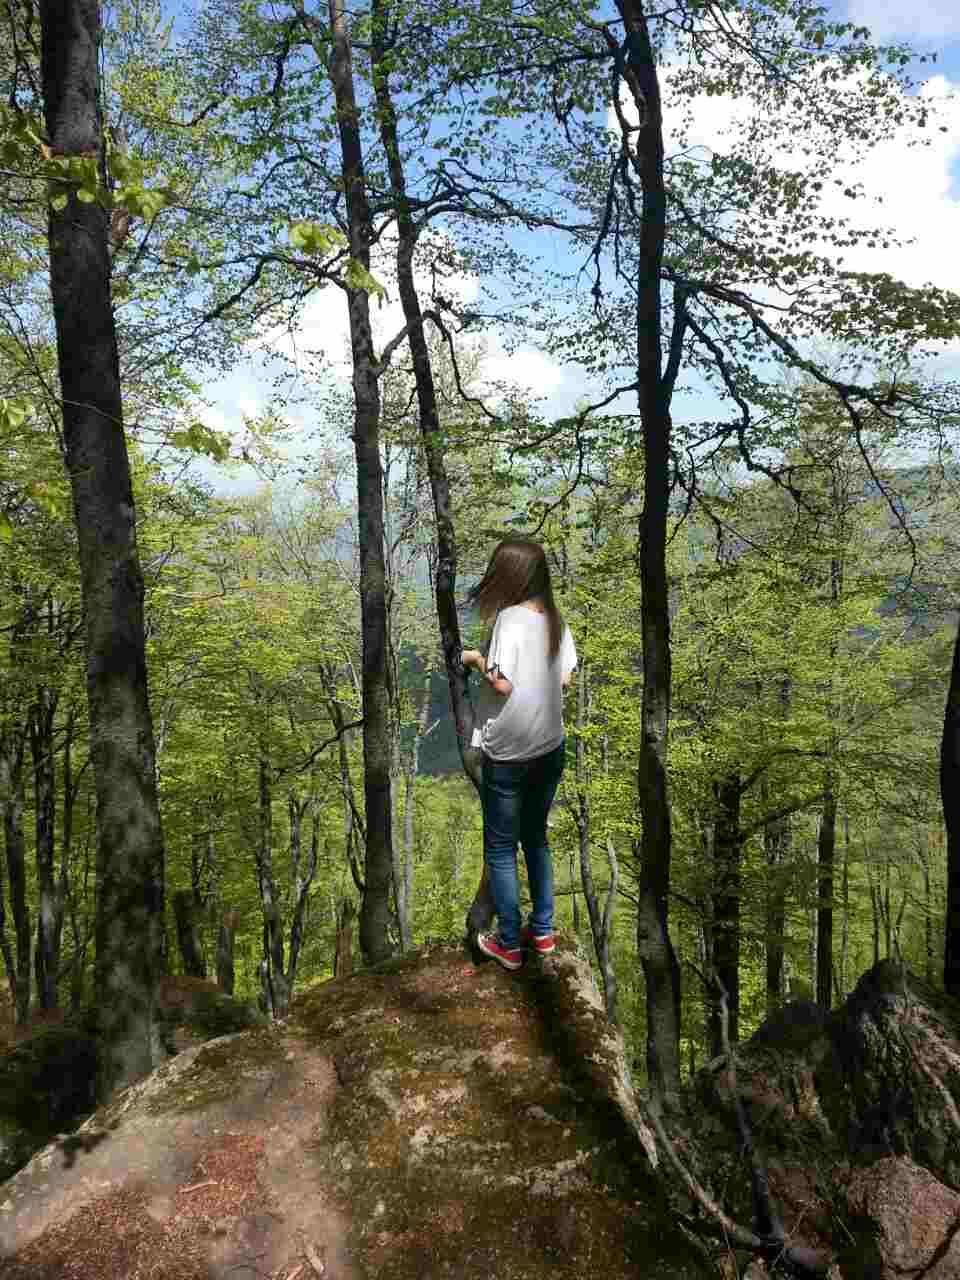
(609, 276)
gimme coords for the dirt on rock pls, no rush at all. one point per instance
(423, 1121)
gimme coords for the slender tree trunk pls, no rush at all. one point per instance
(655, 387)
(885, 906)
(12, 798)
(776, 837)
(226, 939)
(343, 956)
(378, 864)
(411, 770)
(826, 853)
(130, 858)
(923, 852)
(352, 819)
(9, 964)
(845, 895)
(480, 913)
(599, 921)
(275, 993)
(69, 792)
(950, 797)
(728, 846)
(46, 955)
(302, 880)
(875, 915)
(189, 939)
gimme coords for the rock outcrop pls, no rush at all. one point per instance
(48, 1077)
(857, 1115)
(427, 1119)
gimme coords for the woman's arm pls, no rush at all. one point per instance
(498, 683)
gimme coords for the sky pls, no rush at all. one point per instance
(919, 188)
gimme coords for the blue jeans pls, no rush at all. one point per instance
(516, 798)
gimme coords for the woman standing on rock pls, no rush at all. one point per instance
(528, 664)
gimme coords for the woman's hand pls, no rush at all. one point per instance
(497, 682)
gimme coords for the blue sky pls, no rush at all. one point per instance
(920, 190)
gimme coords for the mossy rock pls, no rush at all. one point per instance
(47, 1086)
(211, 1014)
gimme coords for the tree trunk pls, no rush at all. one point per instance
(343, 956)
(826, 851)
(950, 796)
(12, 799)
(352, 819)
(302, 880)
(189, 939)
(130, 855)
(481, 911)
(599, 921)
(875, 915)
(411, 770)
(725, 907)
(845, 925)
(923, 852)
(655, 388)
(275, 993)
(776, 837)
(226, 936)
(46, 956)
(378, 863)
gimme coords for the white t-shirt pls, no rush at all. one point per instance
(528, 723)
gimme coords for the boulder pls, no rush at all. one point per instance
(857, 1116)
(424, 1120)
(904, 1223)
(48, 1077)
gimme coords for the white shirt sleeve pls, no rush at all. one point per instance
(504, 651)
(568, 653)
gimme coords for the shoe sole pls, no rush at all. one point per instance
(511, 965)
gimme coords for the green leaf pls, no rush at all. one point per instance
(316, 237)
(59, 202)
(199, 438)
(85, 195)
(14, 413)
(358, 277)
(6, 528)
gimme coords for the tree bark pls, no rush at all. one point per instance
(950, 796)
(130, 854)
(185, 911)
(378, 862)
(826, 851)
(12, 799)
(49, 907)
(776, 837)
(655, 386)
(275, 991)
(480, 914)
(343, 955)
(302, 880)
(725, 908)
(226, 936)
(411, 770)
(600, 921)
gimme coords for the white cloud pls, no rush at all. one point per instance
(907, 189)
(323, 326)
(937, 20)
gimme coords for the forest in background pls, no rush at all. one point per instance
(763, 599)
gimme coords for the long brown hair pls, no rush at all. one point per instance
(518, 571)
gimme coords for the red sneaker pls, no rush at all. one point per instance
(542, 943)
(490, 945)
